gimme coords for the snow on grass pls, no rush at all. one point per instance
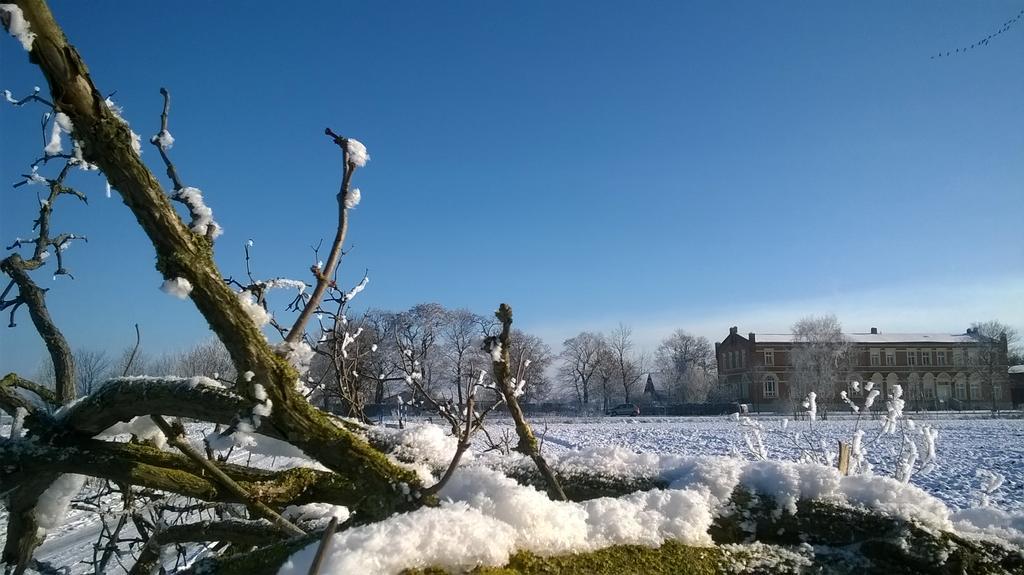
(486, 516)
(427, 537)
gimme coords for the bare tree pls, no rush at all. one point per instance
(686, 363)
(580, 365)
(532, 357)
(987, 356)
(820, 357)
(629, 367)
(92, 368)
(208, 358)
(461, 335)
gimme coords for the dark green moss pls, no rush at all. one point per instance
(670, 559)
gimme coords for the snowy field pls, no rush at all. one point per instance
(965, 448)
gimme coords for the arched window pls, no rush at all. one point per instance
(914, 383)
(879, 382)
(975, 383)
(961, 386)
(892, 380)
(771, 386)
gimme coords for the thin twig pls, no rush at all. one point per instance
(321, 550)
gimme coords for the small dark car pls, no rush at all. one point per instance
(624, 409)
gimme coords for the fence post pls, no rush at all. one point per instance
(844, 458)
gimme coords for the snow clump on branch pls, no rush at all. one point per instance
(298, 354)
(254, 310)
(164, 139)
(284, 283)
(177, 287)
(202, 216)
(18, 26)
(356, 152)
(352, 198)
(53, 503)
(355, 291)
(61, 123)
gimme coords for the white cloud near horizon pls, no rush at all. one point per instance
(928, 307)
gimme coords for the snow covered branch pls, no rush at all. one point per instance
(353, 156)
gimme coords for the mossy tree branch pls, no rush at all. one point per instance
(145, 466)
(499, 346)
(182, 253)
(34, 298)
(241, 533)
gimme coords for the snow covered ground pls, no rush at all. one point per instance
(964, 446)
(666, 446)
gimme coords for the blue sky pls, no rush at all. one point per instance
(665, 164)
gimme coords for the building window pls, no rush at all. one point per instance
(958, 357)
(890, 358)
(940, 358)
(961, 389)
(926, 358)
(975, 390)
(771, 387)
(875, 359)
(743, 358)
(915, 389)
(769, 357)
(997, 392)
(911, 357)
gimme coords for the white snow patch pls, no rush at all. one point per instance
(19, 28)
(450, 537)
(357, 154)
(255, 311)
(992, 522)
(352, 198)
(164, 139)
(316, 513)
(142, 427)
(177, 287)
(299, 354)
(202, 215)
(53, 503)
(358, 288)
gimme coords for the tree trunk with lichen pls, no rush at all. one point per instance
(528, 444)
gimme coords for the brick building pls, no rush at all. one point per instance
(935, 370)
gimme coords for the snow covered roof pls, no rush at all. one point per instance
(1016, 369)
(879, 338)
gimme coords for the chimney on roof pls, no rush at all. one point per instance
(874, 331)
(751, 337)
(733, 330)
